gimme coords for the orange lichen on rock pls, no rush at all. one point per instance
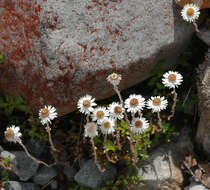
(204, 3)
(18, 28)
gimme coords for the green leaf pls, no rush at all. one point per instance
(4, 105)
(158, 68)
(110, 146)
(19, 100)
(10, 109)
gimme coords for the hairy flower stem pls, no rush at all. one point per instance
(174, 104)
(118, 137)
(131, 139)
(196, 27)
(88, 118)
(138, 141)
(101, 169)
(48, 129)
(94, 149)
(140, 114)
(33, 158)
(159, 122)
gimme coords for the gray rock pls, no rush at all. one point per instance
(90, 176)
(204, 35)
(203, 87)
(69, 172)
(81, 162)
(36, 146)
(24, 167)
(195, 186)
(74, 44)
(14, 185)
(54, 185)
(44, 175)
(1, 149)
(163, 168)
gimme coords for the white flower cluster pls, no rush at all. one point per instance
(105, 117)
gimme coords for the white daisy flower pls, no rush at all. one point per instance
(114, 79)
(157, 103)
(139, 125)
(13, 134)
(47, 114)
(86, 103)
(190, 12)
(99, 114)
(172, 79)
(134, 103)
(91, 129)
(107, 127)
(116, 111)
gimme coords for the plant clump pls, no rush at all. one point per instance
(106, 121)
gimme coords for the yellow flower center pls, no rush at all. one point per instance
(45, 112)
(86, 103)
(9, 134)
(134, 102)
(156, 101)
(100, 114)
(138, 124)
(118, 109)
(114, 76)
(190, 11)
(107, 124)
(172, 77)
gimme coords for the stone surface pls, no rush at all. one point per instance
(203, 3)
(69, 172)
(36, 146)
(203, 87)
(1, 149)
(57, 51)
(14, 185)
(163, 168)
(204, 35)
(195, 186)
(54, 185)
(24, 167)
(44, 175)
(90, 176)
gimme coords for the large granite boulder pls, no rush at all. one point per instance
(203, 86)
(56, 51)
